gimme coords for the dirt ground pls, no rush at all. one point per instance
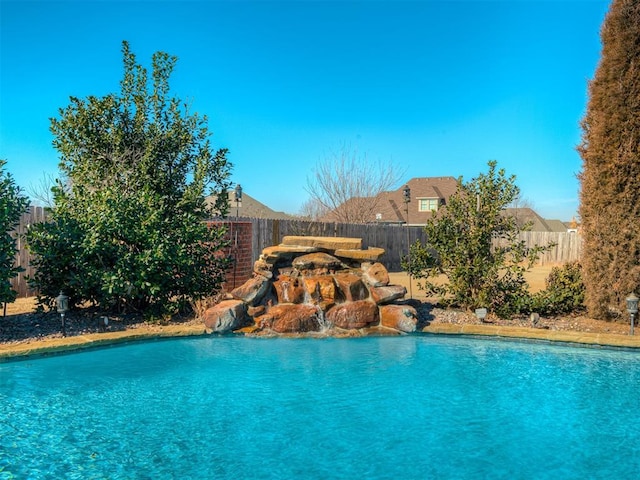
(22, 324)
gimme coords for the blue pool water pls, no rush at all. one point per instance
(367, 408)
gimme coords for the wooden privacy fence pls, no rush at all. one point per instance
(394, 238)
(568, 246)
(23, 257)
(266, 232)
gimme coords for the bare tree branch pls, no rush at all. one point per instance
(347, 184)
(40, 193)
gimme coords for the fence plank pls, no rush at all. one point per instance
(23, 257)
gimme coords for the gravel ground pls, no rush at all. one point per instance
(577, 323)
(22, 324)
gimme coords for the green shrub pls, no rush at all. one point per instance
(564, 292)
(477, 247)
(127, 230)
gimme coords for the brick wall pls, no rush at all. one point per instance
(239, 234)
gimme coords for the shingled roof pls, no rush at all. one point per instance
(392, 206)
(538, 224)
(251, 208)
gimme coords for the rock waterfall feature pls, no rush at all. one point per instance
(315, 284)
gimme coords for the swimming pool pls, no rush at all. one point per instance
(375, 408)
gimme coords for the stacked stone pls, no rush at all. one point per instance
(312, 284)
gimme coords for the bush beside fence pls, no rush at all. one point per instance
(267, 232)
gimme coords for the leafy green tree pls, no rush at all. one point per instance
(127, 228)
(610, 178)
(477, 248)
(12, 205)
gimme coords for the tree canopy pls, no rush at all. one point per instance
(127, 226)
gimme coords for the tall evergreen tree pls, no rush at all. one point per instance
(610, 179)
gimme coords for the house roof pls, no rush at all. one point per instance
(538, 224)
(251, 208)
(556, 225)
(391, 206)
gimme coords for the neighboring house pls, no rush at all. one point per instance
(251, 208)
(428, 195)
(525, 216)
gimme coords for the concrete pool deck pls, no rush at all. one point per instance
(21, 350)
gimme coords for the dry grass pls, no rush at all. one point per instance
(536, 278)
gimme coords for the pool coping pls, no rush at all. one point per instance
(540, 334)
(31, 348)
(37, 347)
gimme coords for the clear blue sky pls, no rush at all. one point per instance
(437, 87)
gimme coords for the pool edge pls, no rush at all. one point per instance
(33, 348)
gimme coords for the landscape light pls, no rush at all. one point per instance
(481, 313)
(238, 197)
(62, 304)
(632, 308)
(406, 194)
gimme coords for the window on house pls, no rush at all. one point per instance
(428, 204)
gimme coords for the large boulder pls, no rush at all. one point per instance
(372, 254)
(326, 243)
(350, 315)
(375, 275)
(321, 288)
(387, 294)
(289, 289)
(351, 286)
(316, 263)
(399, 317)
(252, 290)
(226, 316)
(292, 318)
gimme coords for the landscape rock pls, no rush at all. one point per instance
(327, 243)
(372, 254)
(308, 283)
(357, 314)
(387, 294)
(283, 252)
(261, 267)
(399, 317)
(252, 290)
(319, 262)
(351, 287)
(226, 316)
(375, 275)
(291, 318)
(320, 288)
(289, 289)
